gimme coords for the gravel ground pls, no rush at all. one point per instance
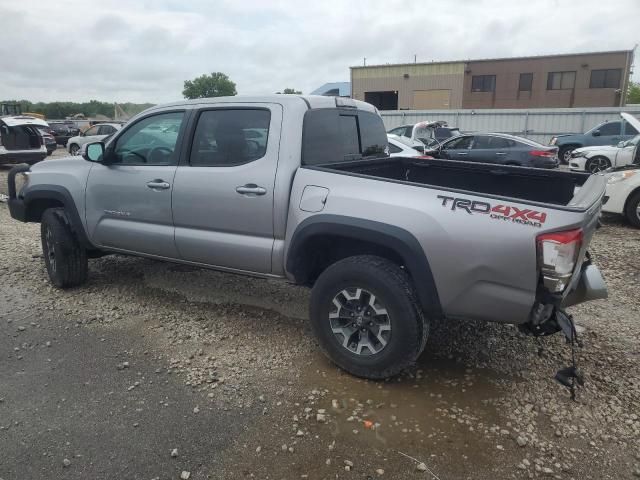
(480, 404)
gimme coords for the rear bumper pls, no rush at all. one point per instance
(590, 286)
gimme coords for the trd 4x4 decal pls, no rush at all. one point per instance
(507, 213)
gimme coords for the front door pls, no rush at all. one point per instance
(223, 195)
(128, 202)
(457, 149)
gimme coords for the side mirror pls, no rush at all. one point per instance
(621, 144)
(94, 152)
(596, 133)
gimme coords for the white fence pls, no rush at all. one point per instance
(538, 124)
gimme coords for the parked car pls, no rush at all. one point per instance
(93, 134)
(48, 139)
(623, 192)
(428, 132)
(598, 159)
(402, 147)
(63, 131)
(388, 244)
(20, 140)
(497, 148)
(607, 133)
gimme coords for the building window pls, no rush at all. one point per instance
(526, 82)
(483, 83)
(609, 78)
(561, 80)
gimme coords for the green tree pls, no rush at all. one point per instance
(290, 91)
(633, 94)
(215, 85)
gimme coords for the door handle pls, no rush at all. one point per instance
(158, 184)
(251, 190)
(463, 153)
(501, 153)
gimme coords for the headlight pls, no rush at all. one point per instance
(575, 154)
(620, 176)
(22, 180)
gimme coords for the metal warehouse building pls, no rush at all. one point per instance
(598, 79)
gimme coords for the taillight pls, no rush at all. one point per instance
(543, 153)
(557, 256)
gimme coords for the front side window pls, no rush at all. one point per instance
(611, 128)
(561, 80)
(607, 78)
(462, 143)
(526, 82)
(151, 141)
(228, 137)
(483, 83)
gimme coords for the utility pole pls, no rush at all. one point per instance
(415, 58)
(365, 61)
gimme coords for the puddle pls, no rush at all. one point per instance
(208, 286)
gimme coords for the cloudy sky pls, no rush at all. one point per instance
(143, 50)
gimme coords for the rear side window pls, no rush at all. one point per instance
(228, 137)
(629, 130)
(394, 149)
(333, 135)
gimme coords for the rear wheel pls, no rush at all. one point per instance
(64, 257)
(597, 164)
(366, 317)
(632, 210)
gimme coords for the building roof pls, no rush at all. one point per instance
(344, 89)
(530, 57)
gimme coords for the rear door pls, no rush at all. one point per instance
(492, 149)
(457, 149)
(223, 195)
(128, 203)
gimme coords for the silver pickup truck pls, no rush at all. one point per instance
(302, 188)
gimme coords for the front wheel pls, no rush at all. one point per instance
(64, 257)
(366, 317)
(632, 210)
(597, 164)
(73, 149)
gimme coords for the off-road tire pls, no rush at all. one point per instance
(64, 257)
(393, 287)
(631, 209)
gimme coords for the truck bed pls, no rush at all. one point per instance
(554, 187)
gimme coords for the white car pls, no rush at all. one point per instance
(623, 193)
(401, 147)
(623, 185)
(599, 158)
(94, 134)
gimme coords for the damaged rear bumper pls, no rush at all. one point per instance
(590, 286)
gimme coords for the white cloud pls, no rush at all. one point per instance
(143, 51)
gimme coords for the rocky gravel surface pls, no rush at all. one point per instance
(480, 404)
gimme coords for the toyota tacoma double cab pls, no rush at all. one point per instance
(302, 188)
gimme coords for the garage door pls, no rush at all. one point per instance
(431, 99)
